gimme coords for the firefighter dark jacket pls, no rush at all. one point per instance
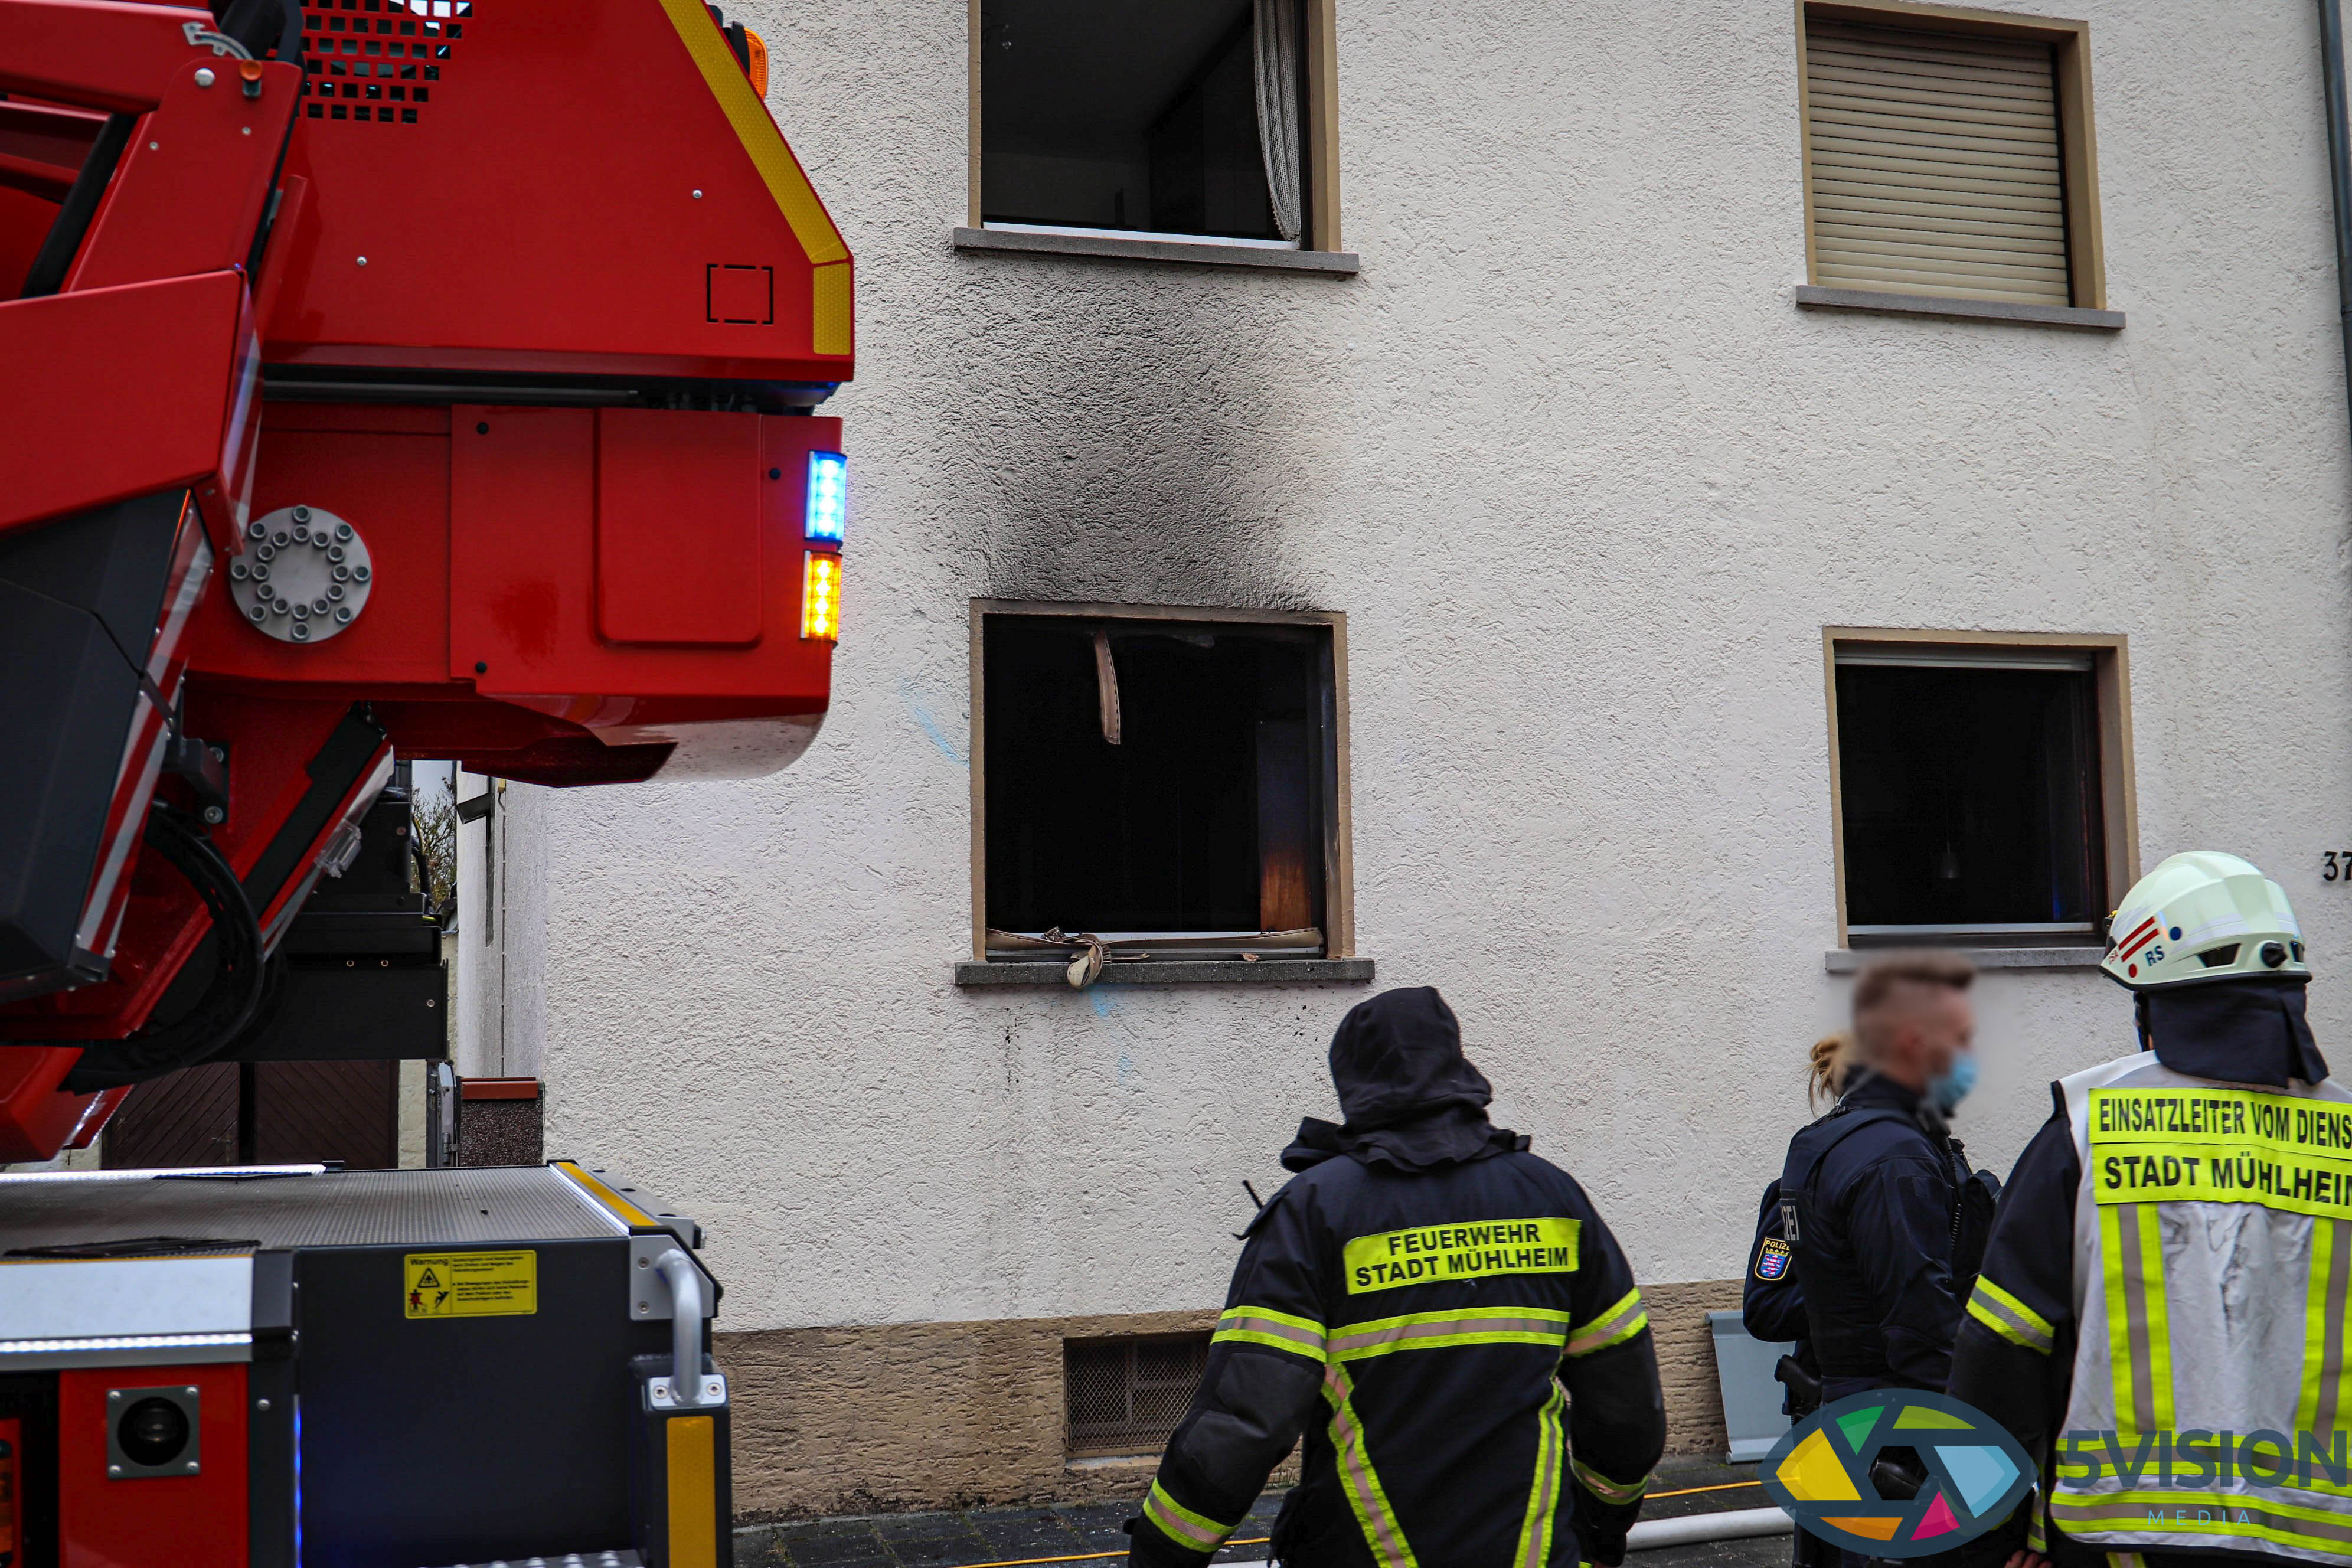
(1412, 1302)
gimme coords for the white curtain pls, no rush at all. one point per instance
(1275, 50)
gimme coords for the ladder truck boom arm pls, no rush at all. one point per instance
(397, 377)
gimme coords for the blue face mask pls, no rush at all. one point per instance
(1952, 1087)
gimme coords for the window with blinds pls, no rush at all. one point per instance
(1936, 162)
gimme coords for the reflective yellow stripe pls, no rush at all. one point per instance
(762, 143)
(605, 1197)
(1534, 1550)
(2139, 1348)
(2010, 1318)
(1441, 1331)
(1601, 1486)
(1620, 1322)
(1265, 1326)
(2225, 1516)
(692, 1498)
(1197, 1531)
(832, 327)
(2037, 1528)
(2325, 1401)
(1366, 1497)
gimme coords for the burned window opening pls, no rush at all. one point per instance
(1165, 785)
(1972, 798)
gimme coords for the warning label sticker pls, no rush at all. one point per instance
(470, 1284)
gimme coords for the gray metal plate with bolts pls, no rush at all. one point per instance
(304, 576)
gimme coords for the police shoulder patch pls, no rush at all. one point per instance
(1773, 1259)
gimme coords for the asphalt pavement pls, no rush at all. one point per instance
(1088, 1535)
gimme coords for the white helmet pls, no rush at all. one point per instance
(2203, 916)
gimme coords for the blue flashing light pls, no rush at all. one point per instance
(298, 1481)
(828, 497)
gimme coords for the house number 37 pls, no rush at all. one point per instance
(2337, 866)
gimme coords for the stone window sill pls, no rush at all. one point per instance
(1849, 960)
(1177, 972)
(1332, 263)
(1812, 298)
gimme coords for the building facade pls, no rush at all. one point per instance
(1666, 498)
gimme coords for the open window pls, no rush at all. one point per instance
(1154, 119)
(1983, 789)
(1158, 785)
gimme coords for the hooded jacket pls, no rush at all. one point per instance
(1412, 1302)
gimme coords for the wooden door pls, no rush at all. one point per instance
(268, 1113)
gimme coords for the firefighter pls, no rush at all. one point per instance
(1413, 1300)
(2164, 1301)
(1882, 1218)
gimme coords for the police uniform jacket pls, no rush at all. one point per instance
(1771, 1302)
(1412, 1302)
(1877, 1188)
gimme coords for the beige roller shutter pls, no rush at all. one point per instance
(1935, 164)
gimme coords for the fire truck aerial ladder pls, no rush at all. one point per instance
(378, 378)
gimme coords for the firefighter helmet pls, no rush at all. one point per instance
(2203, 916)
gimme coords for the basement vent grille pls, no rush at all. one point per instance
(1127, 1395)
(376, 61)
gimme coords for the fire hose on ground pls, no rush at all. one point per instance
(1648, 1535)
(1691, 1529)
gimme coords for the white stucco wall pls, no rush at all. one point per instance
(501, 936)
(1589, 487)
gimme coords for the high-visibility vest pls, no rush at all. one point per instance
(2212, 1284)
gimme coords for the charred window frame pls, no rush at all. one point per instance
(1213, 825)
(1982, 785)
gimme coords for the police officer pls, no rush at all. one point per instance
(1414, 1299)
(1772, 1308)
(1772, 1301)
(1882, 1218)
(2163, 1307)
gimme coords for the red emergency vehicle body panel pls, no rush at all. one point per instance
(510, 545)
(187, 1521)
(589, 188)
(42, 147)
(151, 333)
(194, 183)
(101, 54)
(127, 390)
